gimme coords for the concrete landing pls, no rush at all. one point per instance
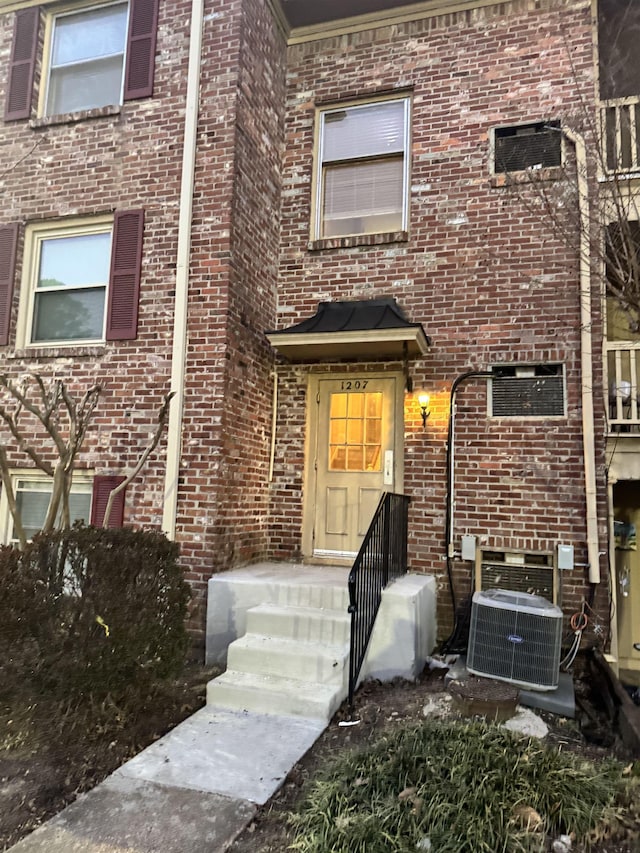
(192, 791)
(239, 754)
(560, 701)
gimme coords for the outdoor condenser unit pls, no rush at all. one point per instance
(515, 637)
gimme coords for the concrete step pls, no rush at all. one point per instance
(271, 694)
(290, 658)
(300, 623)
(320, 596)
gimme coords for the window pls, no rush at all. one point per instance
(528, 391)
(618, 39)
(355, 432)
(80, 280)
(87, 501)
(32, 498)
(527, 146)
(95, 56)
(70, 285)
(622, 266)
(363, 165)
(619, 83)
(86, 59)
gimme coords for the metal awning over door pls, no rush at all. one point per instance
(359, 329)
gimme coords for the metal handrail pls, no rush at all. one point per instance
(381, 559)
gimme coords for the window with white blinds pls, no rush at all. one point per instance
(363, 169)
(32, 496)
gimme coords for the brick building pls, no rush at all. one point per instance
(301, 218)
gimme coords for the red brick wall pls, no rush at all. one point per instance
(223, 511)
(489, 282)
(479, 270)
(97, 164)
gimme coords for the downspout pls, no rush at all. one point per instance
(586, 356)
(179, 353)
(274, 424)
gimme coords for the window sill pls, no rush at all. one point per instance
(358, 240)
(526, 176)
(72, 118)
(66, 351)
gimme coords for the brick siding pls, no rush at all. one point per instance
(477, 267)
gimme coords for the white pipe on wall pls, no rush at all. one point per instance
(179, 352)
(586, 355)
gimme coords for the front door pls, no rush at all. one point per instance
(355, 457)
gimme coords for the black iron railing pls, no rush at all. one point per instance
(382, 558)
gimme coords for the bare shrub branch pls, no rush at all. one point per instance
(163, 416)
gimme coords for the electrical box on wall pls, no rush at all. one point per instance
(468, 547)
(565, 557)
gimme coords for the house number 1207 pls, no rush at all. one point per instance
(354, 384)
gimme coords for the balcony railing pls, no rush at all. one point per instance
(623, 372)
(620, 129)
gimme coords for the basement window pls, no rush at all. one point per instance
(527, 391)
(527, 146)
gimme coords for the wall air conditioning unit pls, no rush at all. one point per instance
(515, 637)
(535, 573)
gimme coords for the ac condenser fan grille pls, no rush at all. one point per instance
(515, 637)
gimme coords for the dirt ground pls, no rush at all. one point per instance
(45, 765)
(50, 754)
(379, 706)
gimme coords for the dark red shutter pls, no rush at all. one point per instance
(141, 49)
(8, 243)
(124, 280)
(22, 64)
(102, 488)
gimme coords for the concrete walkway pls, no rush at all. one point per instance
(192, 791)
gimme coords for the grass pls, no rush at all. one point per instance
(453, 788)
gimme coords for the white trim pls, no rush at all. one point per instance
(370, 343)
(322, 553)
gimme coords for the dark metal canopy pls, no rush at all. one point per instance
(369, 328)
(302, 13)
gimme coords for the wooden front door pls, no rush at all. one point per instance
(355, 455)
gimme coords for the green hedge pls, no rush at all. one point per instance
(92, 611)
